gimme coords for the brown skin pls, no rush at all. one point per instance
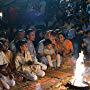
(20, 35)
(61, 38)
(49, 46)
(31, 36)
(1, 85)
(53, 39)
(47, 35)
(7, 71)
(24, 48)
(60, 41)
(5, 46)
(5, 50)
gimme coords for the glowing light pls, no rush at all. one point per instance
(78, 78)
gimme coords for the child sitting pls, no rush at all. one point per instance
(50, 54)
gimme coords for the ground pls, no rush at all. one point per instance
(54, 80)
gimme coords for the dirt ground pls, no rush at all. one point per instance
(54, 80)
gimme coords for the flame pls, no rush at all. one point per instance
(78, 78)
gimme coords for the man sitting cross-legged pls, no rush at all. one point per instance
(24, 63)
(6, 77)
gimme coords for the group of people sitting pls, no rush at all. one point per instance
(20, 57)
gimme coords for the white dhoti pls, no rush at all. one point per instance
(7, 82)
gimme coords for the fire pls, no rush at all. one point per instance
(78, 78)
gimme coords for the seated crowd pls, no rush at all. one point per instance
(21, 57)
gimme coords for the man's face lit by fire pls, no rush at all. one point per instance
(53, 39)
(61, 38)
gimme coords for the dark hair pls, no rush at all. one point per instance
(2, 44)
(53, 33)
(61, 33)
(47, 42)
(19, 30)
(20, 43)
(29, 31)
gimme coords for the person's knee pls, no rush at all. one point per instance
(34, 78)
(42, 74)
(12, 82)
(44, 67)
